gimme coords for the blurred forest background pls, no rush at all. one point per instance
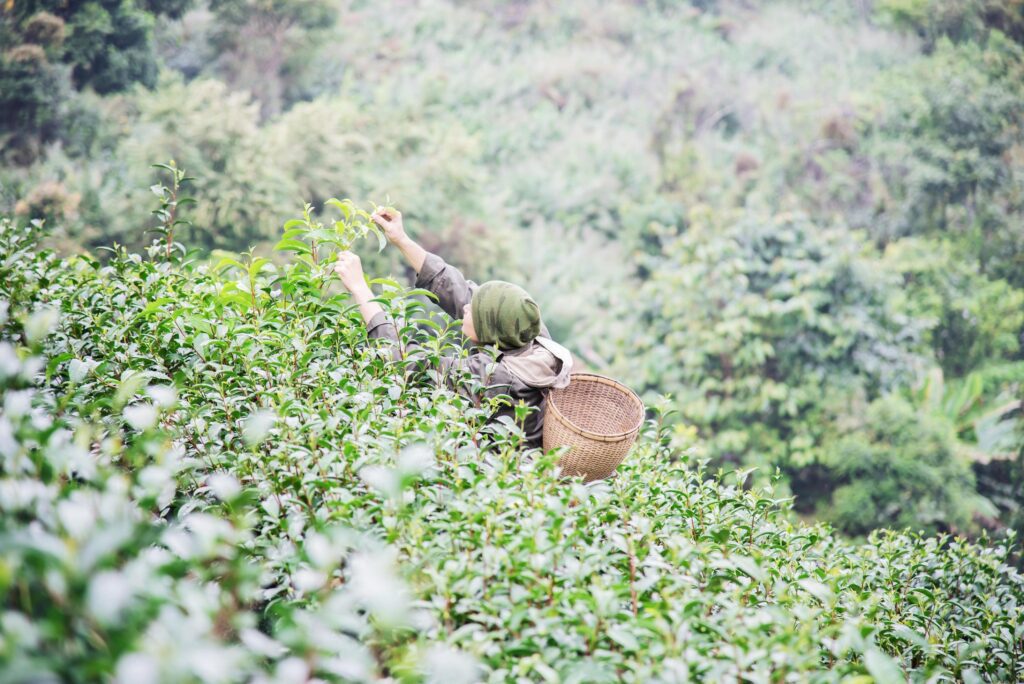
(804, 221)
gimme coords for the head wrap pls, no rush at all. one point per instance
(504, 314)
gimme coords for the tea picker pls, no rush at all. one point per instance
(596, 417)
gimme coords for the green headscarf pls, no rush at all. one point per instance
(504, 314)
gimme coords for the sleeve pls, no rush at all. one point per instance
(452, 289)
(382, 327)
(476, 377)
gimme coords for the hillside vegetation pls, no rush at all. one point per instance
(801, 219)
(212, 475)
(795, 228)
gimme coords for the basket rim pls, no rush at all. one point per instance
(599, 436)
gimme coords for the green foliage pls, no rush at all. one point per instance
(945, 128)
(265, 45)
(764, 329)
(960, 20)
(171, 201)
(980, 406)
(215, 134)
(976, 319)
(355, 223)
(902, 468)
(109, 47)
(195, 486)
(32, 91)
(106, 45)
(985, 411)
(172, 9)
(430, 169)
(246, 171)
(582, 148)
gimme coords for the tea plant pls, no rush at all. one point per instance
(307, 237)
(211, 474)
(170, 203)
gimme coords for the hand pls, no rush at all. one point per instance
(350, 269)
(390, 220)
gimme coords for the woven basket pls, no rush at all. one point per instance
(596, 416)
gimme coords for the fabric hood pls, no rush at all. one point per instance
(543, 364)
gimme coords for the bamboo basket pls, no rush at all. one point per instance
(598, 418)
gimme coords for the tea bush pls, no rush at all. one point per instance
(207, 473)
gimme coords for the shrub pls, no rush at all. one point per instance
(106, 46)
(901, 468)
(45, 28)
(960, 20)
(265, 46)
(31, 93)
(49, 201)
(211, 475)
(214, 132)
(976, 320)
(940, 144)
(765, 328)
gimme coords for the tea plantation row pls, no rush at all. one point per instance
(211, 475)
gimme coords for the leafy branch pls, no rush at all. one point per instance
(170, 203)
(308, 237)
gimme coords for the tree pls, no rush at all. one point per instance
(32, 91)
(109, 42)
(940, 145)
(262, 44)
(959, 20)
(901, 468)
(766, 329)
(214, 132)
(105, 45)
(976, 320)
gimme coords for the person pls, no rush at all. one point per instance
(515, 356)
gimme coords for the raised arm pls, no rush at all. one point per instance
(454, 371)
(452, 289)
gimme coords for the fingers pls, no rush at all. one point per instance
(385, 216)
(347, 261)
(349, 269)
